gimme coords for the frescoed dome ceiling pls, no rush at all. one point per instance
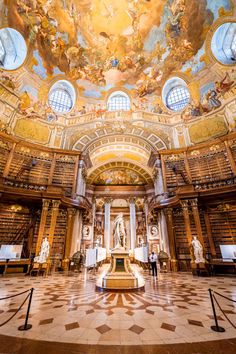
(100, 44)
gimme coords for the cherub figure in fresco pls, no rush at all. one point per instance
(7, 81)
(212, 98)
(25, 101)
(224, 85)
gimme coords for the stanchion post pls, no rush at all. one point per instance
(215, 328)
(27, 326)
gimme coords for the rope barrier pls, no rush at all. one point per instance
(217, 328)
(225, 297)
(10, 296)
(26, 326)
(224, 312)
(9, 319)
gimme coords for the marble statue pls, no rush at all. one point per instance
(198, 250)
(44, 252)
(119, 231)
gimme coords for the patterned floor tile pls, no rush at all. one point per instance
(195, 323)
(103, 329)
(136, 329)
(46, 321)
(70, 326)
(168, 327)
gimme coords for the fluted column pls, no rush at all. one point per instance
(107, 224)
(42, 224)
(132, 211)
(55, 210)
(185, 206)
(170, 227)
(70, 223)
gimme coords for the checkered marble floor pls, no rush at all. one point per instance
(175, 308)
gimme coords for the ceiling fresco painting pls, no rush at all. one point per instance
(121, 176)
(102, 44)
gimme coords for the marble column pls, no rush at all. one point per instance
(185, 206)
(70, 223)
(146, 219)
(76, 236)
(93, 219)
(164, 233)
(158, 179)
(42, 224)
(80, 190)
(170, 228)
(55, 211)
(132, 210)
(107, 224)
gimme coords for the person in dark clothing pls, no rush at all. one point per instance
(153, 261)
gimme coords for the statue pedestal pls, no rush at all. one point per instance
(120, 275)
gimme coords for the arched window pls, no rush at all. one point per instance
(61, 97)
(13, 49)
(223, 44)
(177, 98)
(175, 94)
(118, 101)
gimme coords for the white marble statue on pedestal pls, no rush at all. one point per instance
(44, 252)
(119, 231)
(198, 250)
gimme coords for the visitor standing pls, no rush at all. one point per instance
(153, 261)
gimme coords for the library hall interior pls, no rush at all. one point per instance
(117, 176)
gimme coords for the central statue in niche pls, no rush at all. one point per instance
(119, 232)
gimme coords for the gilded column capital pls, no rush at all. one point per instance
(55, 204)
(184, 204)
(71, 212)
(169, 212)
(46, 203)
(131, 200)
(194, 203)
(108, 200)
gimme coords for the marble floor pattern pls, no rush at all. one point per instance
(175, 308)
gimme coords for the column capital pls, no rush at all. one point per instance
(194, 203)
(55, 203)
(169, 212)
(132, 200)
(108, 200)
(71, 212)
(184, 204)
(46, 203)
